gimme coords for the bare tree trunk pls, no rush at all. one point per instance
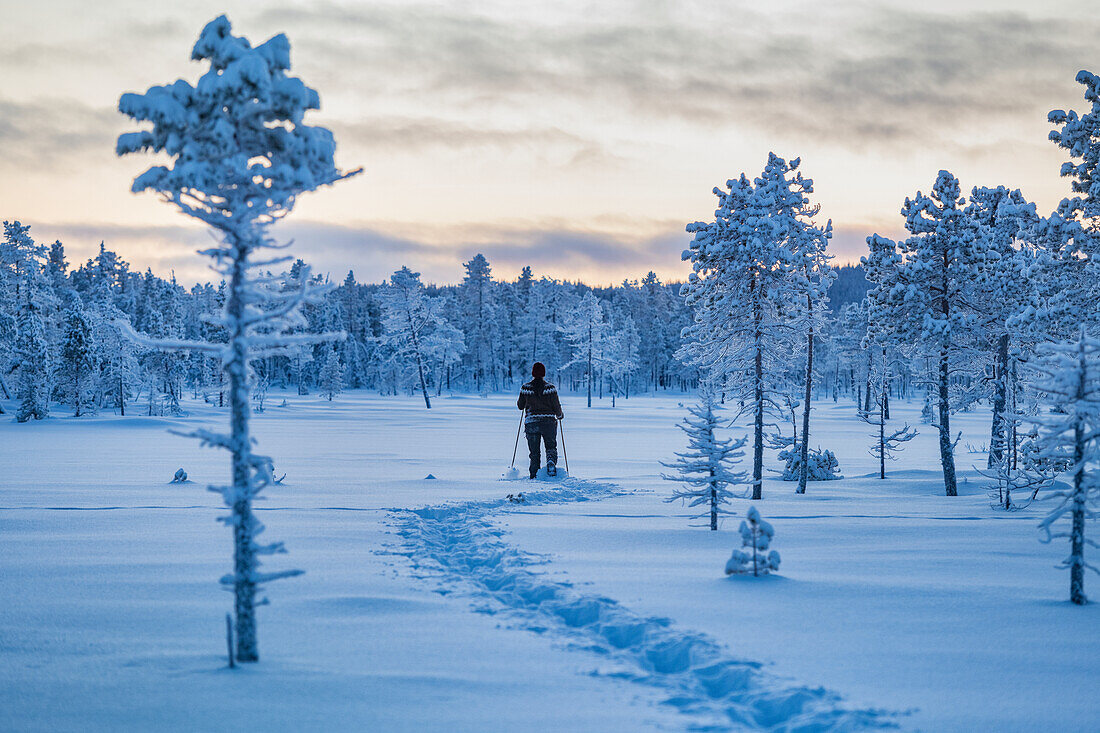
(419, 359)
(243, 522)
(589, 380)
(947, 453)
(1077, 533)
(713, 503)
(997, 430)
(867, 393)
(803, 471)
(882, 438)
(758, 401)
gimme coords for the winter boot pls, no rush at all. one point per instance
(551, 469)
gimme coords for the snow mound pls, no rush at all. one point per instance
(514, 474)
(429, 477)
(542, 475)
(702, 679)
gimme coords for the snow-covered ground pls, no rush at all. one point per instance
(592, 606)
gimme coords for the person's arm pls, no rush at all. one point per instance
(557, 405)
(522, 401)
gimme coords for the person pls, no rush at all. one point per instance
(539, 399)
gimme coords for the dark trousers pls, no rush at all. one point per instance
(545, 429)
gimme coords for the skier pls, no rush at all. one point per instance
(539, 399)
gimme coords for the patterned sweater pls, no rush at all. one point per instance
(540, 399)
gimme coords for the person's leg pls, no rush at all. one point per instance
(550, 435)
(533, 438)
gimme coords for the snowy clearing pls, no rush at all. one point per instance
(554, 614)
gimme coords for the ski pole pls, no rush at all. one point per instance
(564, 452)
(516, 449)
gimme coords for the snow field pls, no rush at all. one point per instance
(594, 612)
(700, 678)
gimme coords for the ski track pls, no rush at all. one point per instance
(714, 690)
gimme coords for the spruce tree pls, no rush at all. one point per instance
(33, 363)
(77, 363)
(332, 373)
(707, 468)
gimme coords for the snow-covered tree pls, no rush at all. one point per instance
(332, 373)
(740, 288)
(536, 331)
(587, 331)
(1076, 223)
(240, 157)
(76, 367)
(33, 362)
(479, 315)
(8, 336)
(1069, 373)
(621, 355)
(926, 294)
(887, 443)
(409, 316)
(444, 346)
(707, 468)
(811, 276)
(1001, 290)
(756, 535)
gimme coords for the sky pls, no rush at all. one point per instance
(577, 137)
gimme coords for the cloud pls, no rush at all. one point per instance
(853, 76)
(373, 254)
(420, 135)
(47, 131)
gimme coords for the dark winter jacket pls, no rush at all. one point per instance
(540, 399)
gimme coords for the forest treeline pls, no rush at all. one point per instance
(61, 340)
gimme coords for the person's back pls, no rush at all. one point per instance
(539, 399)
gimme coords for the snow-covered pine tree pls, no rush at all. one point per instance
(33, 361)
(707, 468)
(926, 294)
(77, 348)
(408, 317)
(332, 373)
(756, 535)
(8, 335)
(811, 276)
(240, 157)
(479, 314)
(739, 288)
(1069, 374)
(1002, 289)
(1076, 223)
(535, 329)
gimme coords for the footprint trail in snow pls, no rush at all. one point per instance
(714, 689)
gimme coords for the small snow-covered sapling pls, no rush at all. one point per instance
(707, 468)
(180, 477)
(756, 536)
